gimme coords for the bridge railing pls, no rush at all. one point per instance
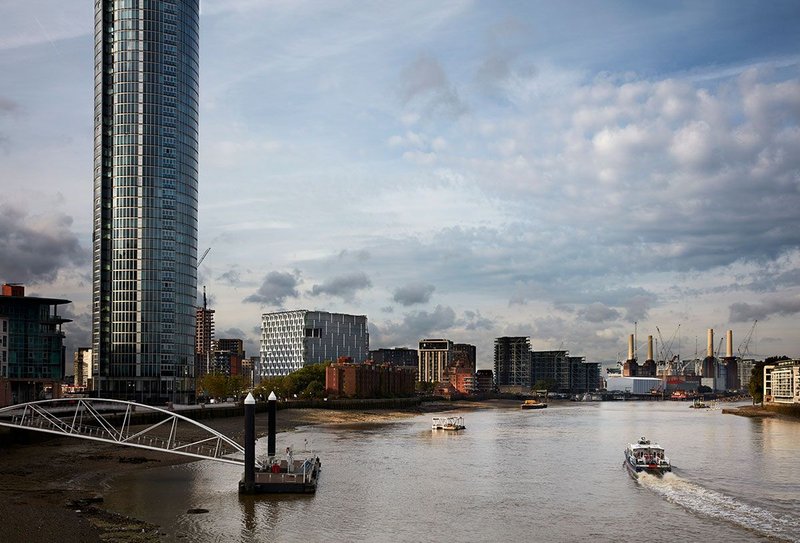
(118, 422)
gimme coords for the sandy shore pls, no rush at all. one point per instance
(52, 490)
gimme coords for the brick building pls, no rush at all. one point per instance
(347, 380)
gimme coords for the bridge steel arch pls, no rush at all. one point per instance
(125, 423)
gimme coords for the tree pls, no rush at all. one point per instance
(219, 385)
(214, 385)
(298, 383)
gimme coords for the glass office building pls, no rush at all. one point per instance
(145, 199)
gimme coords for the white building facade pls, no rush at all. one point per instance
(435, 356)
(782, 382)
(291, 340)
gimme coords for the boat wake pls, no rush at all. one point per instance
(715, 504)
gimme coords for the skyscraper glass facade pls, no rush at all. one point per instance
(145, 198)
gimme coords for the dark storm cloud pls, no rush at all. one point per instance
(744, 312)
(77, 334)
(343, 286)
(35, 248)
(276, 287)
(415, 293)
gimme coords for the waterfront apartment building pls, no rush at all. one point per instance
(32, 357)
(512, 362)
(466, 352)
(145, 199)
(484, 381)
(399, 356)
(782, 382)
(435, 357)
(291, 340)
(564, 373)
(347, 380)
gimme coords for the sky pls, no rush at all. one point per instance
(568, 171)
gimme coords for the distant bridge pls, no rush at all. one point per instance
(114, 421)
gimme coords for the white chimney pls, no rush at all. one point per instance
(630, 347)
(650, 347)
(730, 344)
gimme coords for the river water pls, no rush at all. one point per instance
(547, 475)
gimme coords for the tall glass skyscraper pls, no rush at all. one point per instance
(145, 199)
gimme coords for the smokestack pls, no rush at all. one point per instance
(650, 347)
(710, 343)
(630, 347)
(730, 344)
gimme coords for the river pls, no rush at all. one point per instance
(554, 474)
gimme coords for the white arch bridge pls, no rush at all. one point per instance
(124, 423)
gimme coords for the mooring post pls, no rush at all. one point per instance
(249, 444)
(272, 409)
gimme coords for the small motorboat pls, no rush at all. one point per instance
(448, 423)
(646, 457)
(533, 404)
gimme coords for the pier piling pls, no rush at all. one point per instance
(249, 444)
(272, 408)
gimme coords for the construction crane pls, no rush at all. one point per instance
(743, 347)
(205, 254)
(666, 354)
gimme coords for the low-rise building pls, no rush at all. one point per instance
(484, 381)
(348, 380)
(34, 353)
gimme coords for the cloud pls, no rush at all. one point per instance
(415, 325)
(637, 307)
(35, 248)
(473, 320)
(744, 312)
(343, 286)
(276, 287)
(251, 345)
(424, 84)
(231, 277)
(415, 293)
(77, 333)
(598, 312)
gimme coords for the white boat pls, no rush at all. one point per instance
(448, 423)
(646, 457)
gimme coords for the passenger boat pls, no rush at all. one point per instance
(533, 404)
(697, 404)
(646, 457)
(448, 423)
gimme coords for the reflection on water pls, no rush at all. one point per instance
(547, 475)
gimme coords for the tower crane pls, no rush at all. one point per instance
(205, 254)
(743, 347)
